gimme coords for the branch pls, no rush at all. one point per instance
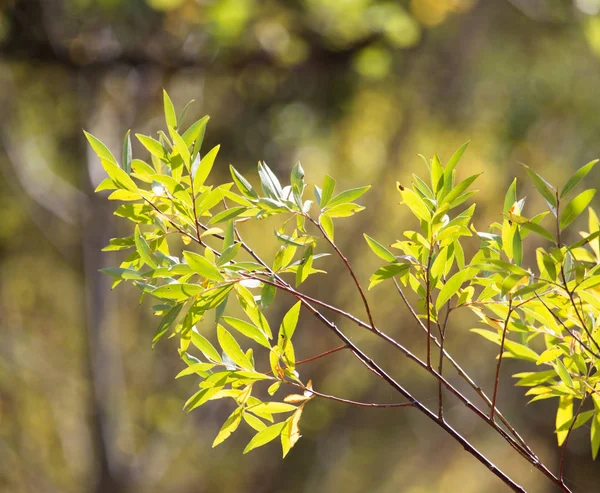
(497, 380)
(350, 270)
(347, 401)
(462, 373)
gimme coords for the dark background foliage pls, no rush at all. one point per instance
(353, 88)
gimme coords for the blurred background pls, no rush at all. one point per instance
(354, 88)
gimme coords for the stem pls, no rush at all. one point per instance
(369, 363)
(441, 362)
(497, 381)
(184, 233)
(428, 307)
(318, 356)
(348, 401)
(462, 373)
(571, 333)
(350, 270)
(564, 277)
(522, 449)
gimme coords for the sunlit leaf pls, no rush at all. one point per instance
(576, 207)
(579, 175)
(265, 436)
(379, 249)
(232, 349)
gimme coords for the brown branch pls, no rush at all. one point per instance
(348, 401)
(427, 305)
(349, 267)
(369, 363)
(380, 372)
(497, 380)
(571, 333)
(318, 356)
(462, 373)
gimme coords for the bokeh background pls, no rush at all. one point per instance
(354, 88)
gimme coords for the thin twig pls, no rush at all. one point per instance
(571, 333)
(349, 267)
(382, 374)
(497, 380)
(428, 307)
(318, 356)
(348, 401)
(462, 373)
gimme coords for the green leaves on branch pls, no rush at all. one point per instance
(212, 290)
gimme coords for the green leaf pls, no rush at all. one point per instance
(415, 203)
(451, 288)
(549, 355)
(249, 330)
(536, 228)
(120, 273)
(563, 373)
(253, 421)
(177, 291)
(577, 177)
(546, 190)
(305, 267)
(170, 115)
(230, 425)
(202, 266)
(595, 435)
(327, 223)
(270, 184)
(154, 146)
(232, 349)
(227, 214)
(328, 189)
(387, 272)
(166, 323)
(242, 184)
(205, 167)
(288, 325)
(195, 133)
(564, 414)
(201, 369)
(379, 249)
(120, 178)
(181, 148)
(207, 349)
(127, 153)
(582, 419)
(517, 247)
(437, 174)
(454, 161)
(99, 148)
(297, 177)
(343, 210)
(201, 397)
(143, 249)
(511, 196)
(576, 207)
(459, 189)
(181, 117)
(265, 436)
(347, 196)
(229, 253)
(509, 282)
(520, 351)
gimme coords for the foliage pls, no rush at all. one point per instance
(547, 315)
